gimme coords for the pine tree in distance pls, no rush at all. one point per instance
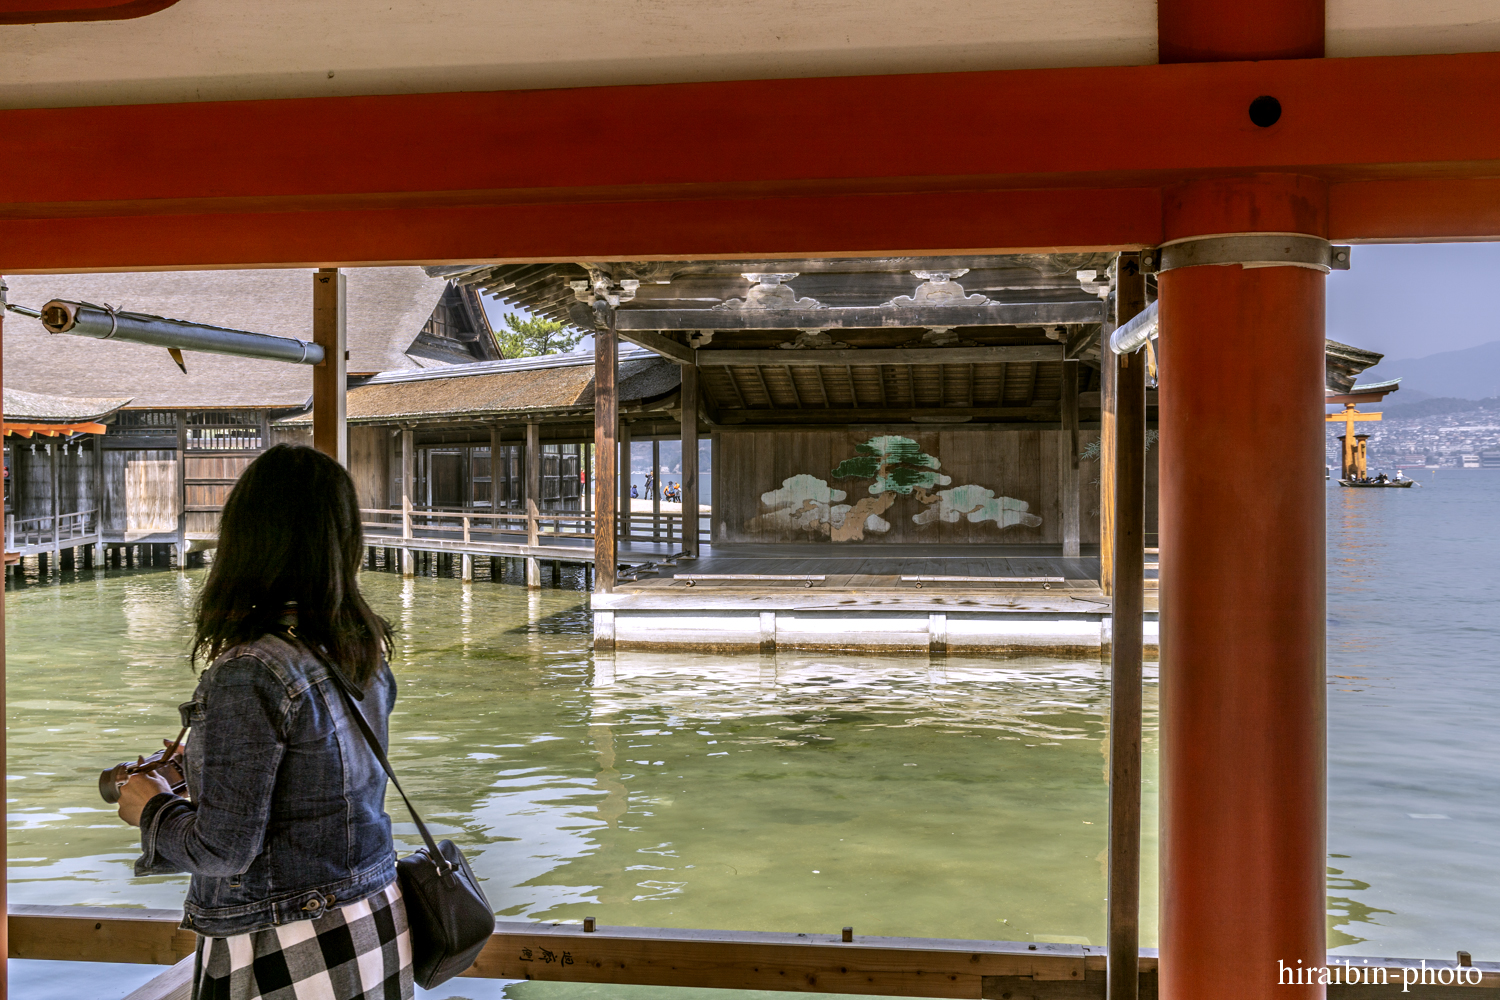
(534, 336)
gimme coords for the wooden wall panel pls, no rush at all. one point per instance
(369, 453)
(1017, 462)
(216, 466)
(150, 479)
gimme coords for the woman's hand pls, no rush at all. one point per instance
(135, 793)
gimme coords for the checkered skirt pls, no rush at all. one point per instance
(361, 951)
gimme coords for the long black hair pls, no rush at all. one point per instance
(290, 533)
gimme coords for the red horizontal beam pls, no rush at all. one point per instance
(897, 224)
(48, 11)
(943, 161)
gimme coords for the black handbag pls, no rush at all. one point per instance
(447, 914)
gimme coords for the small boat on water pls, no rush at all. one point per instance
(1376, 484)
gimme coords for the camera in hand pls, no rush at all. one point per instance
(166, 762)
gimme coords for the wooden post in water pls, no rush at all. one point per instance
(606, 456)
(54, 459)
(533, 499)
(329, 383)
(182, 443)
(408, 473)
(689, 460)
(1129, 523)
(98, 459)
(1068, 467)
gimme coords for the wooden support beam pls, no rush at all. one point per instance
(408, 481)
(1106, 469)
(5, 944)
(863, 317)
(330, 434)
(655, 485)
(606, 424)
(1068, 466)
(626, 509)
(182, 440)
(496, 464)
(533, 499)
(840, 357)
(1126, 649)
(655, 342)
(690, 460)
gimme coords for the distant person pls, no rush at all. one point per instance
(1399, 476)
(633, 494)
(284, 829)
(650, 487)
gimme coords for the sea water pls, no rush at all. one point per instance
(949, 798)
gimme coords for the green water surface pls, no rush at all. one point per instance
(958, 798)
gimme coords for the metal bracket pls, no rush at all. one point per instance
(1248, 250)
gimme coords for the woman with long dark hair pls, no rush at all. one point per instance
(283, 829)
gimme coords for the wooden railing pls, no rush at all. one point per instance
(457, 524)
(741, 960)
(54, 530)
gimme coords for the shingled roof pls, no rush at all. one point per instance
(41, 408)
(551, 384)
(388, 307)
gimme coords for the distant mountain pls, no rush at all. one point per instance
(1473, 373)
(1433, 407)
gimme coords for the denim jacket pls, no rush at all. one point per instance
(285, 813)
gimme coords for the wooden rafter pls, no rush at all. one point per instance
(791, 378)
(761, 377)
(823, 387)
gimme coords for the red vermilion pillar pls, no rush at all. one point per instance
(1242, 595)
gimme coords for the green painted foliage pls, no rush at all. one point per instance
(897, 464)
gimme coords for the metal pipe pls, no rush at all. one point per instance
(1134, 335)
(84, 319)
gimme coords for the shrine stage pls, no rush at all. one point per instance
(1016, 600)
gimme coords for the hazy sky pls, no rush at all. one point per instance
(1413, 300)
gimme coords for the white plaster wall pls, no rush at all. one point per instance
(1412, 27)
(202, 50)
